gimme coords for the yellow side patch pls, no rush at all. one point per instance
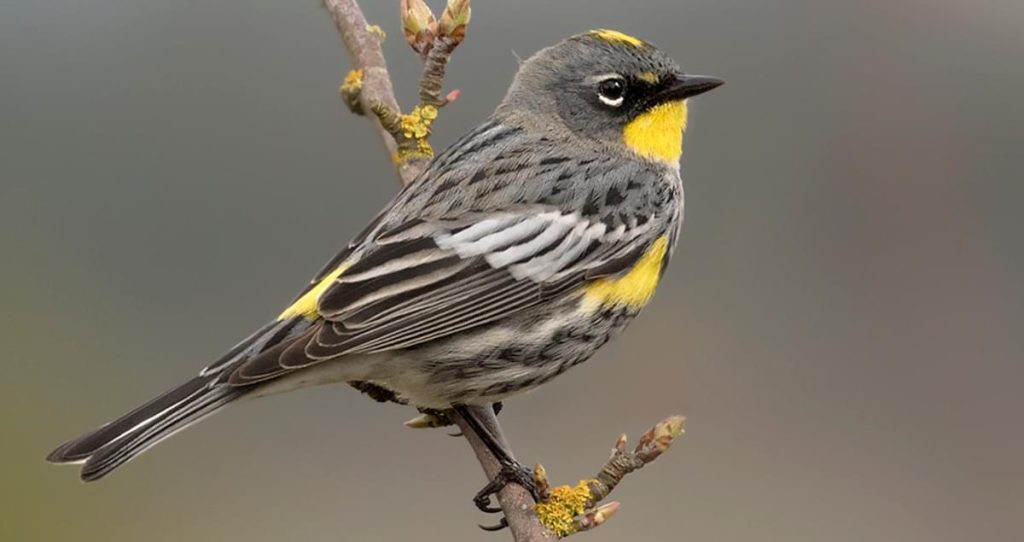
(635, 288)
(305, 306)
(658, 133)
(615, 36)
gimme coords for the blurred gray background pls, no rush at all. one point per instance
(841, 326)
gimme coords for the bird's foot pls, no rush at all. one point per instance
(511, 472)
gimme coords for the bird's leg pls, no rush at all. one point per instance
(432, 417)
(511, 470)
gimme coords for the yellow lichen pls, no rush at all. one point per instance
(374, 29)
(423, 147)
(428, 112)
(421, 152)
(350, 90)
(416, 125)
(354, 78)
(353, 83)
(415, 129)
(564, 504)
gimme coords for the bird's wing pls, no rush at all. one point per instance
(501, 221)
(428, 279)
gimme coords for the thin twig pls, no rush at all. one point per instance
(364, 47)
(433, 71)
(567, 510)
(652, 444)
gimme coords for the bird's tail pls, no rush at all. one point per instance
(119, 441)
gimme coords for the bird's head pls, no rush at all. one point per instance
(607, 86)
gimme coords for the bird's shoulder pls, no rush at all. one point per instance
(498, 167)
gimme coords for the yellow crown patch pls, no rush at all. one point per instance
(614, 36)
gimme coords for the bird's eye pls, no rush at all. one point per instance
(612, 91)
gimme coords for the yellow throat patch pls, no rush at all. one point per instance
(635, 288)
(305, 305)
(658, 133)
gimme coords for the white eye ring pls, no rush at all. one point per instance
(608, 101)
(612, 90)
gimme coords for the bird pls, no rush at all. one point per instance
(517, 253)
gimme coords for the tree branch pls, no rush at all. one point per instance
(363, 45)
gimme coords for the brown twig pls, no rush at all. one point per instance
(433, 71)
(567, 510)
(364, 47)
(652, 444)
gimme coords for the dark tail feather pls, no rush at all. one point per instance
(140, 439)
(117, 442)
(84, 446)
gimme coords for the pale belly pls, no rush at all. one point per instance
(511, 357)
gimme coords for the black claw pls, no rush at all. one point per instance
(493, 528)
(509, 473)
(483, 497)
(490, 509)
(518, 474)
(482, 501)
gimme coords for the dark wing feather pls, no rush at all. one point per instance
(428, 280)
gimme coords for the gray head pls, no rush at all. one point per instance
(609, 87)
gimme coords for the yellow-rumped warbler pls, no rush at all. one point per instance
(518, 252)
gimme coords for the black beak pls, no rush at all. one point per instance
(685, 86)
